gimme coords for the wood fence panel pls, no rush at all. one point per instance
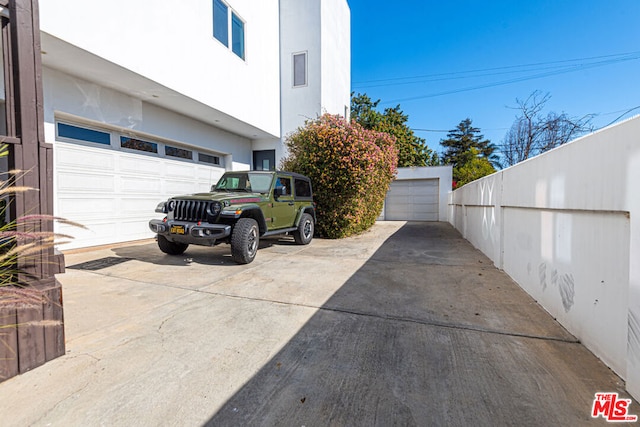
(53, 324)
(31, 352)
(8, 344)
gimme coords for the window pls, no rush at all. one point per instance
(206, 158)
(228, 25)
(303, 188)
(299, 69)
(137, 144)
(221, 22)
(83, 134)
(178, 152)
(237, 35)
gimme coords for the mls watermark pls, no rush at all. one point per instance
(613, 409)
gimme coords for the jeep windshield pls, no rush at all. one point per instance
(245, 181)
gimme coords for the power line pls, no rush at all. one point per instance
(500, 83)
(507, 67)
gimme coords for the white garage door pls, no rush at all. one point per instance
(114, 192)
(412, 200)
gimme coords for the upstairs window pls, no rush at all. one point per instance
(299, 69)
(221, 22)
(228, 26)
(237, 35)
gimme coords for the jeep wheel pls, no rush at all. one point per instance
(171, 248)
(244, 241)
(304, 233)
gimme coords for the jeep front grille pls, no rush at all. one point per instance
(195, 210)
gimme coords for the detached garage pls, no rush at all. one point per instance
(418, 194)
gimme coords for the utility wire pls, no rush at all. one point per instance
(499, 83)
(508, 67)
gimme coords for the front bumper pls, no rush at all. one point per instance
(198, 234)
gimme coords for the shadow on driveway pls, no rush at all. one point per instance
(426, 332)
(218, 255)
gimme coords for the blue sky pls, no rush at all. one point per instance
(417, 54)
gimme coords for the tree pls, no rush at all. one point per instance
(461, 140)
(475, 167)
(533, 133)
(351, 169)
(471, 155)
(412, 150)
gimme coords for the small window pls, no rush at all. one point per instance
(299, 69)
(178, 152)
(237, 35)
(83, 134)
(283, 186)
(206, 158)
(303, 188)
(137, 144)
(221, 22)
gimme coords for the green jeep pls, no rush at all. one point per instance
(241, 208)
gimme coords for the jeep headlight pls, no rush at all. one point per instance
(171, 205)
(215, 208)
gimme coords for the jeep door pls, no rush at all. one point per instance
(284, 209)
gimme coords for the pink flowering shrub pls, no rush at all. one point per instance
(350, 168)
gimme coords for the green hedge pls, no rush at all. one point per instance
(350, 168)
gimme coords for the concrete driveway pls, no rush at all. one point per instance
(404, 325)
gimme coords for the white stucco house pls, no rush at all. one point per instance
(149, 99)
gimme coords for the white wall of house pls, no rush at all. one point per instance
(322, 30)
(566, 227)
(336, 57)
(173, 46)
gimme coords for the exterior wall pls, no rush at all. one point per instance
(336, 57)
(173, 46)
(322, 29)
(566, 227)
(87, 101)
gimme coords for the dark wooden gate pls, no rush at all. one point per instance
(30, 334)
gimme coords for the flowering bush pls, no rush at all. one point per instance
(350, 168)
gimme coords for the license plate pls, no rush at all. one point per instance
(177, 229)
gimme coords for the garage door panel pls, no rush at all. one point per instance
(180, 170)
(115, 193)
(175, 188)
(413, 200)
(85, 207)
(83, 159)
(86, 182)
(139, 165)
(139, 206)
(137, 184)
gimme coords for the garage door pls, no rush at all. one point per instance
(114, 193)
(412, 200)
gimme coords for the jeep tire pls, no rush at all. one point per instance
(171, 248)
(304, 233)
(245, 240)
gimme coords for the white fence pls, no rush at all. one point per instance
(566, 227)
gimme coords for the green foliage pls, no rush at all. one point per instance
(350, 168)
(412, 150)
(473, 168)
(461, 140)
